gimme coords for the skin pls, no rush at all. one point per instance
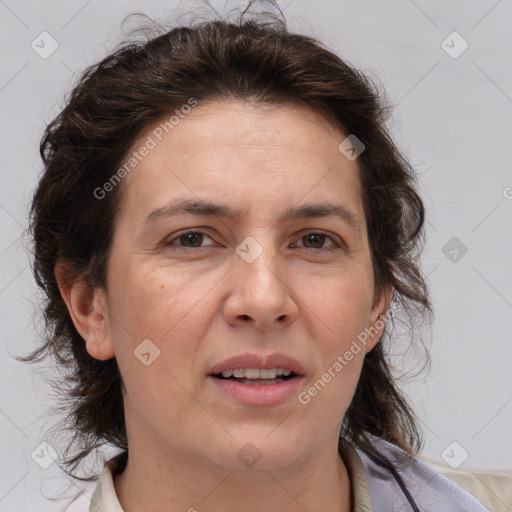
(199, 308)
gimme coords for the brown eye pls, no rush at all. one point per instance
(193, 239)
(188, 240)
(315, 241)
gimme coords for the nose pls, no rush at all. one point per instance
(260, 294)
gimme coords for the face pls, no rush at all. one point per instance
(188, 290)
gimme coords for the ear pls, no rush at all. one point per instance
(378, 316)
(87, 306)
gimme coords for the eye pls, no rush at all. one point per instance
(317, 240)
(313, 241)
(189, 239)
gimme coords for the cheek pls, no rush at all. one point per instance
(340, 311)
(340, 305)
(340, 353)
(162, 306)
(156, 346)
(152, 302)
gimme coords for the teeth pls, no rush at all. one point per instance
(256, 373)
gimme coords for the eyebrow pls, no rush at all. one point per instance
(209, 208)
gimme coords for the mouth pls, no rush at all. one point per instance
(258, 380)
(256, 376)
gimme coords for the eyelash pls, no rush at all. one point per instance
(308, 250)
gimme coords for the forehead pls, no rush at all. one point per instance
(243, 153)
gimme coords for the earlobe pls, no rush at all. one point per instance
(381, 303)
(87, 307)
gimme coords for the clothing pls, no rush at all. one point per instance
(492, 488)
(373, 488)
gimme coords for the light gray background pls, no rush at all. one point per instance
(452, 119)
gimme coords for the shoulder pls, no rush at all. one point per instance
(99, 495)
(492, 487)
(430, 489)
(104, 498)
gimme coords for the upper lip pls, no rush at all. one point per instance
(258, 361)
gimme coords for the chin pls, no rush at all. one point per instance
(261, 453)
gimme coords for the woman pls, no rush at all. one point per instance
(221, 228)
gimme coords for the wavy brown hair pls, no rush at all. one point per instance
(142, 81)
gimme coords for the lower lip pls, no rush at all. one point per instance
(258, 394)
